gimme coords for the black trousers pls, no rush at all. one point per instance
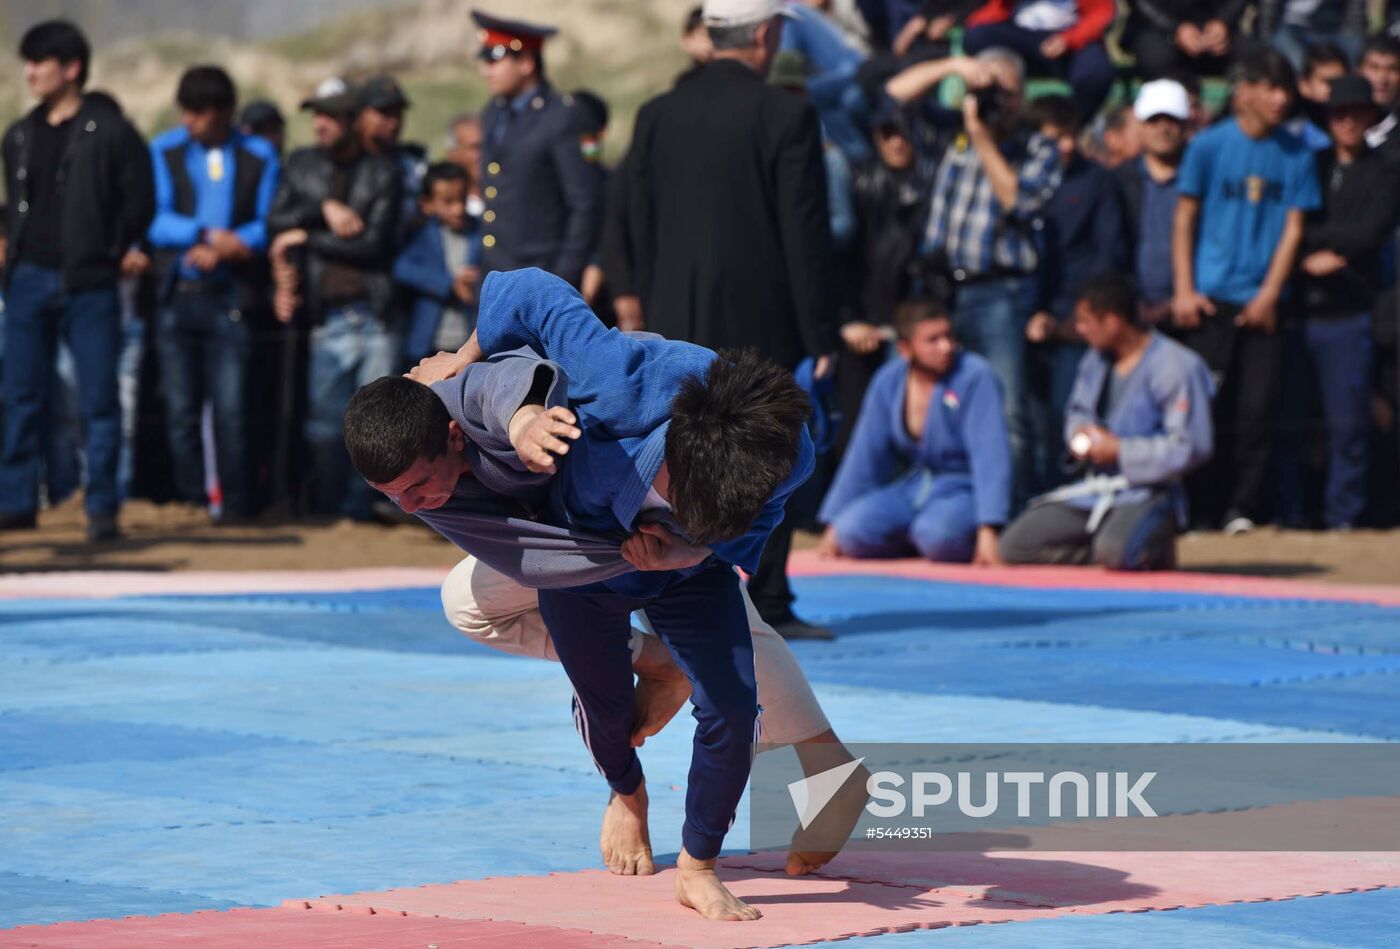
(1245, 364)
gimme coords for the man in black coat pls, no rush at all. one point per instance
(727, 213)
(80, 191)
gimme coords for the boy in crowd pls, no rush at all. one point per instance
(1082, 236)
(1244, 188)
(1138, 420)
(214, 186)
(1341, 275)
(440, 268)
(928, 468)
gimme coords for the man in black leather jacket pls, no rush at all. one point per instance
(337, 211)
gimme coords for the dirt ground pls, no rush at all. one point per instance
(174, 538)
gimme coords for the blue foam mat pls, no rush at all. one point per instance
(162, 754)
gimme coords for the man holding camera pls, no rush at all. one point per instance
(990, 189)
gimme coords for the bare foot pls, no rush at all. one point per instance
(698, 888)
(657, 702)
(625, 841)
(816, 845)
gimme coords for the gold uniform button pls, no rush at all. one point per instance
(494, 168)
(488, 241)
(491, 191)
(489, 216)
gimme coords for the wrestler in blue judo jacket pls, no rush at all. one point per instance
(1125, 516)
(894, 494)
(620, 388)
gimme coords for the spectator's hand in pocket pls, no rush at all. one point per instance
(1188, 307)
(1039, 327)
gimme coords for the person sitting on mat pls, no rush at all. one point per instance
(928, 468)
(1137, 422)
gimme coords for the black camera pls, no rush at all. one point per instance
(990, 101)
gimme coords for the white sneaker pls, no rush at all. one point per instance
(1239, 524)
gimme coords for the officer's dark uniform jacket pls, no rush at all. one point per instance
(543, 198)
(108, 190)
(251, 278)
(374, 191)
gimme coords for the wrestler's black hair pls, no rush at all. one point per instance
(1112, 293)
(733, 439)
(910, 313)
(390, 424)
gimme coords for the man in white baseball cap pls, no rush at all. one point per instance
(1148, 183)
(727, 13)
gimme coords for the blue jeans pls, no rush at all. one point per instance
(205, 344)
(989, 318)
(351, 348)
(933, 514)
(38, 313)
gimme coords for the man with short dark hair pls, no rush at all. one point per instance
(694, 456)
(78, 178)
(928, 469)
(1380, 65)
(214, 187)
(439, 269)
(1244, 187)
(338, 209)
(1138, 420)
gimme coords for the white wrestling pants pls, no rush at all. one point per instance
(498, 612)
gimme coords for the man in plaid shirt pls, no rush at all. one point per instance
(984, 218)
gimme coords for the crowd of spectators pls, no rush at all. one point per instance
(1091, 272)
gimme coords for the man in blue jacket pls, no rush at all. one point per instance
(214, 186)
(691, 456)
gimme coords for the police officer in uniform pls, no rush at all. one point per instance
(543, 196)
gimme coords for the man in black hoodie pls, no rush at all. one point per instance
(80, 189)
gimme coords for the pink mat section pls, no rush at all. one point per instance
(269, 928)
(867, 894)
(806, 563)
(107, 584)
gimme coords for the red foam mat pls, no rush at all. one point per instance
(865, 894)
(277, 928)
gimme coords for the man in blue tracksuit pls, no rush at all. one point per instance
(692, 457)
(214, 186)
(928, 468)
